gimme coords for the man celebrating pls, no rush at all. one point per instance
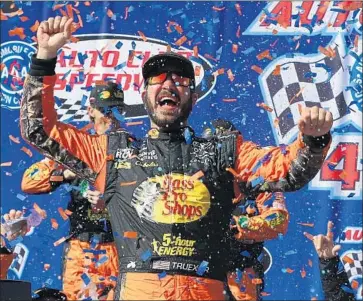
(169, 196)
(89, 224)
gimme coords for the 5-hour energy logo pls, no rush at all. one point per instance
(173, 246)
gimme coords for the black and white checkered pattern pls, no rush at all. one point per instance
(71, 108)
(282, 89)
(354, 268)
(18, 263)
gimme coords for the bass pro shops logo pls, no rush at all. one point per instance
(15, 62)
(171, 199)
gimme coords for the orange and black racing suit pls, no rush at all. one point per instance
(91, 245)
(168, 194)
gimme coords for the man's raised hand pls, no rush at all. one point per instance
(52, 35)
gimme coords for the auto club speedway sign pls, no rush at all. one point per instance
(93, 58)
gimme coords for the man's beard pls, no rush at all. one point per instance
(169, 121)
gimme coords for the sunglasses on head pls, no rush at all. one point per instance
(177, 79)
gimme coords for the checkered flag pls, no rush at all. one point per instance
(310, 80)
(18, 264)
(353, 267)
(72, 109)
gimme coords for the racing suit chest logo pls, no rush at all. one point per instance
(172, 198)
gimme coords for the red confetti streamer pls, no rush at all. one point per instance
(230, 75)
(234, 48)
(257, 69)
(62, 213)
(216, 8)
(14, 139)
(6, 164)
(130, 234)
(238, 33)
(199, 174)
(238, 8)
(181, 41)
(128, 183)
(306, 224)
(264, 106)
(27, 151)
(59, 241)
(229, 99)
(141, 34)
(131, 123)
(195, 51)
(303, 273)
(54, 223)
(264, 54)
(17, 31)
(34, 28)
(40, 211)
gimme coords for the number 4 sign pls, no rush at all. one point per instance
(341, 172)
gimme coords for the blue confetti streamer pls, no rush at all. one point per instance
(257, 181)
(162, 275)
(83, 101)
(66, 74)
(146, 255)
(117, 114)
(188, 136)
(202, 268)
(101, 261)
(86, 279)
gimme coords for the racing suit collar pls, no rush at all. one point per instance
(182, 133)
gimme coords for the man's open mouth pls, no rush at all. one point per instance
(166, 101)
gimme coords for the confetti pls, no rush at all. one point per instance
(234, 48)
(62, 213)
(347, 259)
(354, 284)
(40, 211)
(146, 255)
(128, 183)
(229, 99)
(230, 75)
(21, 197)
(86, 279)
(181, 41)
(202, 268)
(199, 174)
(130, 234)
(17, 31)
(264, 106)
(306, 224)
(132, 123)
(257, 69)
(27, 151)
(141, 34)
(257, 281)
(303, 273)
(14, 139)
(162, 275)
(238, 8)
(59, 241)
(264, 54)
(54, 223)
(238, 33)
(46, 266)
(4, 164)
(310, 263)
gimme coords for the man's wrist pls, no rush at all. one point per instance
(42, 67)
(45, 54)
(317, 142)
